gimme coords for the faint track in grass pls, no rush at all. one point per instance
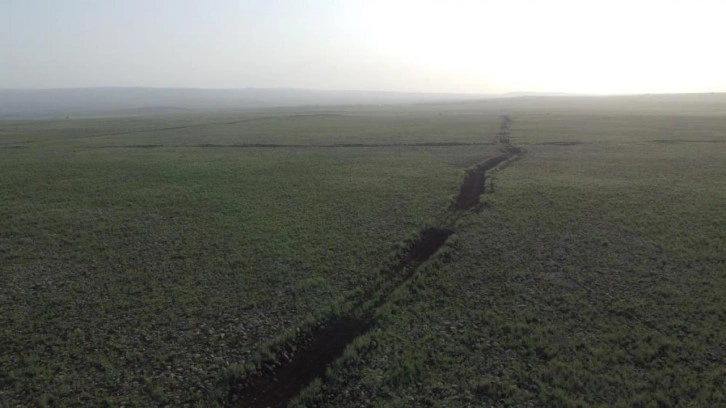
(668, 141)
(560, 143)
(208, 124)
(298, 146)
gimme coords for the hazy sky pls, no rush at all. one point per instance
(610, 46)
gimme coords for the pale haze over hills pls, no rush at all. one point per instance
(90, 102)
(472, 47)
(49, 103)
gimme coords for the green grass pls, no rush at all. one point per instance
(592, 276)
(138, 274)
(595, 277)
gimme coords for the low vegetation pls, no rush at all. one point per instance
(160, 260)
(594, 277)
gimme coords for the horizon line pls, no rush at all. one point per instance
(349, 90)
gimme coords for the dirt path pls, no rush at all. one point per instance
(307, 356)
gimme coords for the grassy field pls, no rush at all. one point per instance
(137, 274)
(595, 277)
(156, 260)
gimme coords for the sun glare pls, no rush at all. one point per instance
(614, 47)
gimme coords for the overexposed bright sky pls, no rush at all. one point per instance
(614, 46)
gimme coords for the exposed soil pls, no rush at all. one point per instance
(429, 242)
(300, 363)
(473, 185)
(471, 189)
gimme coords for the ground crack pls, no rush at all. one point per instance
(474, 182)
(307, 356)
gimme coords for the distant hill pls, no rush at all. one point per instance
(686, 104)
(74, 102)
(48, 103)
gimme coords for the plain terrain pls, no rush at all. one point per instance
(149, 260)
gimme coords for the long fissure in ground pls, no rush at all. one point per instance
(309, 354)
(307, 358)
(473, 186)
